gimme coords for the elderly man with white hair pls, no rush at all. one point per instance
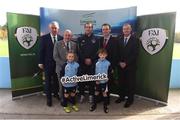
(46, 61)
(61, 49)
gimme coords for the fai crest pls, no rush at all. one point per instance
(153, 40)
(26, 36)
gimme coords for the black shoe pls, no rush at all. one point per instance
(119, 100)
(92, 107)
(106, 110)
(56, 96)
(128, 104)
(49, 103)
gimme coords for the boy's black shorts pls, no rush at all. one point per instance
(68, 90)
(102, 87)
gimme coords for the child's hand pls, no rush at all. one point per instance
(97, 82)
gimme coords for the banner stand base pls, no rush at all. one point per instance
(23, 96)
(157, 102)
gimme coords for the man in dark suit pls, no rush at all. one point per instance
(46, 61)
(127, 55)
(108, 42)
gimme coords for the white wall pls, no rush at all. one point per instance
(143, 6)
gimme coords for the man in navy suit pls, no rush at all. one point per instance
(46, 61)
(127, 54)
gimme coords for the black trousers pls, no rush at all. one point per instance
(51, 85)
(89, 70)
(90, 85)
(127, 83)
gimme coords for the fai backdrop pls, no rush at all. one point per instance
(23, 31)
(156, 33)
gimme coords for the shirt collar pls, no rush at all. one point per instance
(107, 38)
(127, 37)
(53, 36)
(102, 60)
(70, 62)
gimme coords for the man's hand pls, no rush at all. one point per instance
(112, 71)
(122, 65)
(88, 61)
(41, 66)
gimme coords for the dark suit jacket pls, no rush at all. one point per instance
(128, 53)
(111, 49)
(46, 53)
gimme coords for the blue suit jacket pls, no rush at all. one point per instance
(46, 53)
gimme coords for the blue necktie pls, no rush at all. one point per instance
(125, 41)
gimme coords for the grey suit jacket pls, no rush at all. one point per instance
(60, 51)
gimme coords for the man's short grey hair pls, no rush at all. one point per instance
(69, 31)
(54, 23)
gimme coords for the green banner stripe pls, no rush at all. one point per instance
(26, 91)
(27, 88)
(26, 82)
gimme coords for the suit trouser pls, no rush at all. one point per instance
(127, 83)
(51, 85)
(90, 85)
(89, 70)
(60, 87)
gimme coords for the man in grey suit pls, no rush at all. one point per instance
(61, 48)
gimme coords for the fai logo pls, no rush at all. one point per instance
(26, 36)
(153, 40)
(89, 17)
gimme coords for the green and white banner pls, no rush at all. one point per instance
(23, 32)
(156, 33)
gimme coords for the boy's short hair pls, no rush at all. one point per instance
(70, 52)
(102, 51)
